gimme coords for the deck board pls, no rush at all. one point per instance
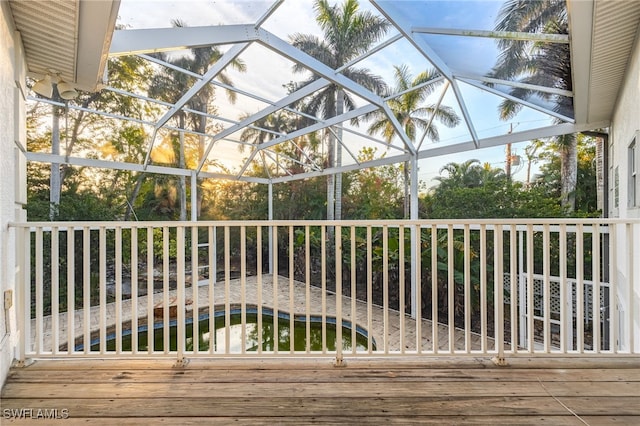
(124, 392)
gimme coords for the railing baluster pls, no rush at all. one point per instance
(614, 311)
(530, 286)
(498, 290)
(71, 293)
(291, 291)
(402, 310)
(385, 287)
(55, 289)
(369, 290)
(150, 292)
(513, 287)
(86, 289)
(595, 277)
(243, 288)
(134, 290)
(418, 288)
(546, 294)
(338, 251)
(435, 329)
(213, 341)
(631, 261)
(227, 291)
(467, 288)
(323, 274)
(118, 289)
(102, 238)
(180, 294)
(39, 292)
(483, 288)
(307, 286)
(354, 312)
(566, 304)
(275, 290)
(451, 287)
(166, 239)
(580, 296)
(259, 285)
(195, 289)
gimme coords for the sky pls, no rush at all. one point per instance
(267, 72)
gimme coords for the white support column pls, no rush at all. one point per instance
(194, 196)
(413, 215)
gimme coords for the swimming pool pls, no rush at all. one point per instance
(251, 332)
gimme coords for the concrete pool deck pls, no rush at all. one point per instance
(401, 330)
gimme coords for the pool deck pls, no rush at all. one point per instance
(401, 329)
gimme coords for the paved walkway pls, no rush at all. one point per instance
(291, 297)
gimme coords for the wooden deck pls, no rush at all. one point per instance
(566, 391)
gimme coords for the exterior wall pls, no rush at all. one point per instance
(625, 127)
(12, 177)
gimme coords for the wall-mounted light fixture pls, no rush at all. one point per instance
(44, 88)
(66, 90)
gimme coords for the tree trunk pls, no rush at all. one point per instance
(569, 171)
(202, 128)
(182, 187)
(338, 197)
(407, 197)
(134, 195)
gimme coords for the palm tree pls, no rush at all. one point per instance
(348, 33)
(170, 85)
(412, 114)
(460, 175)
(546, 64)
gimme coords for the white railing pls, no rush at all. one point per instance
(123, 289)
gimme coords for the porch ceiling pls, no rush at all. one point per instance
(602, 35)
(66, 37)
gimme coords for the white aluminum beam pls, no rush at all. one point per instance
(525, 135)
(211, 73)
(275, 43)
(520, 101)
(551, 90)
(580, 16)
(426, 51)
(343, 169)
(510, 35)
(269, 12)
(319, 126)
(287, 100)
(134, 42)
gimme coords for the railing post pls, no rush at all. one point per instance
(23, 284)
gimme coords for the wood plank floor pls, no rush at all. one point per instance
(565, 391)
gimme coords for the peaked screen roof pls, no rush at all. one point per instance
(455, 39)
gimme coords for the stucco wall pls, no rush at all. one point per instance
(12, 130)
(626, 125)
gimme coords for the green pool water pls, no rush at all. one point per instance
(206, 338)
